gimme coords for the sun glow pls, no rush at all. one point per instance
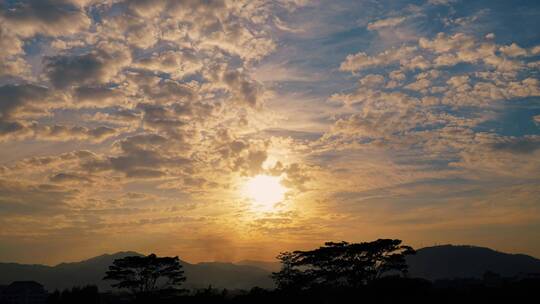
(264, 189)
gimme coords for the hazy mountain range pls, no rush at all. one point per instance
(431, 263)
(448, 262)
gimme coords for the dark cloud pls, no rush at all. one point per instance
(15, 130)
(250, 162)
(245, 90)
(21, 99)
(160, 117)
(163, 90)
(49, 17)
(15, 97)
(92, 68)
(136, 172)
(243, 155)
(68, 178)
(62, 133)
(519, 145)
(10, 127)
(97, 95)
(142, 156)
(297, 175)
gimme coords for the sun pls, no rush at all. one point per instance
(264, 189)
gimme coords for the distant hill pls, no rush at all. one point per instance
(449, 261)
(91, 271)
(439, 262)
(268, 266)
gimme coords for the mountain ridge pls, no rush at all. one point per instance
(467, 261)
(432, 263)
(92, 270)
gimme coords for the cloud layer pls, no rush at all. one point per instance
(133, 125)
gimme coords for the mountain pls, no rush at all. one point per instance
(64, 275)
(268, 266)
(91, 271)
(439, 262)
(449, 261)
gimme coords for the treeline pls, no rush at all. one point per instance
(384, 290)
(370, 272)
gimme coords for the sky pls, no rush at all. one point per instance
(223, 130)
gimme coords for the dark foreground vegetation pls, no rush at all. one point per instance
(384, 290)
(370, 272)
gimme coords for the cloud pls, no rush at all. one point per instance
(427, 114)
(372, 80)
(92, 68)
(16, 101)
(14, 66)
(247, 91)
(244, 156)
(10, 44)
(18, 98)
(97, 95)
(7, 128)
(21, 198)
(383, 23)
(142, 156)
(534, 50)
(419, 85)
(536, 119)
(443, 43)
(441, 2)
(48, 17)
(178, 102)
(178, 63)
(164, 90)
(513, 50)
(69, 178)
(361, 60)
(520, 145)
(62, 133)
(442, 51)
(41, 132)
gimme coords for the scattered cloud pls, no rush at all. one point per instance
(147, 117)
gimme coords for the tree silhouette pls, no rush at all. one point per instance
(144, 275)
(290, 278)
(341, 264)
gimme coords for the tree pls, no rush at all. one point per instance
(289, 277)
(144, 275)
(341, 264)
